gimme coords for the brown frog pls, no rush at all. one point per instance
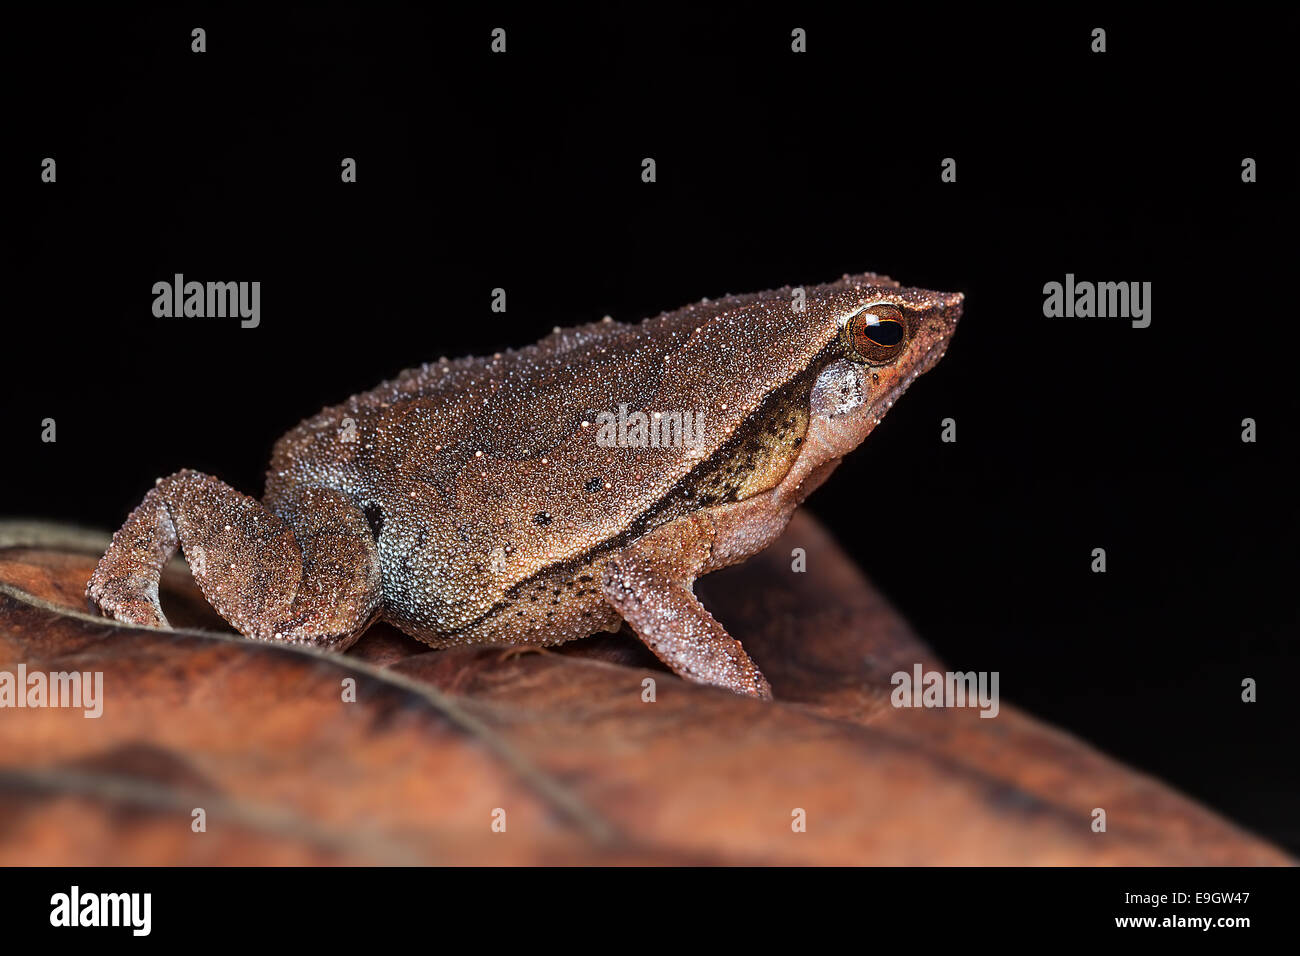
(545, 494)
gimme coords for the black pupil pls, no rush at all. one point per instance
(886, 332)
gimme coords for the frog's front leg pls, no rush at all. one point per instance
(650, 584)
(306, 573)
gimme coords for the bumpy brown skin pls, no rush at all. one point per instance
(479, 501)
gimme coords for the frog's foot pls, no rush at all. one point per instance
(649, 584)
(308, 574)
(131, 597)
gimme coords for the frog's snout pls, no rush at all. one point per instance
(948, 308)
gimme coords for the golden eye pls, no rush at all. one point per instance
(876, 335)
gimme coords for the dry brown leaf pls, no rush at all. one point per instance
(561, 740)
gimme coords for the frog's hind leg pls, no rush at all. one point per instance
(307, 573)
(650, 584)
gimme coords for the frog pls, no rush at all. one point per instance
(548, 493)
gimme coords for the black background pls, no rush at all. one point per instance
(523, 171)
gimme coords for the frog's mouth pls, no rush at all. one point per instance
(927, 361)
(938, 327)
(922, 364)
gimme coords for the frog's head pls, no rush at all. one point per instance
(887, 336)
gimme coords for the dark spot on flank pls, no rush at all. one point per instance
(593, 485)
(541, 518)
(375, 518)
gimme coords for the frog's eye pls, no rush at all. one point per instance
(875, 335)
